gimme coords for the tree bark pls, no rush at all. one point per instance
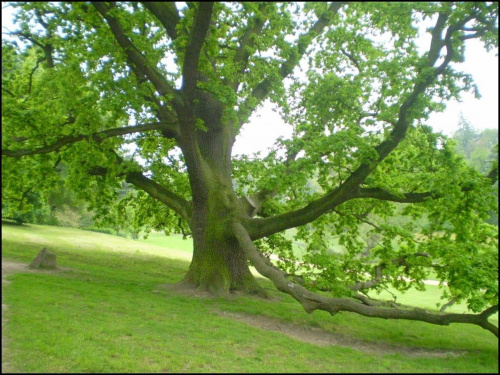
(219, 265)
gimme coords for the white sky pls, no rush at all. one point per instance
(265, 125)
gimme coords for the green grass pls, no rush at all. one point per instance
(107, 313)
(171, 242)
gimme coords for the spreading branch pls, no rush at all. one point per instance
(30, 83)
(262, 90)
(193, 49)
(350, 188)
(311, 301)
(46, 48)
(181, 206)
(351, 58)
(381, 194)
(97, 137)
(139, 64)
(247, 43)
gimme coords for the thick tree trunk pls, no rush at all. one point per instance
(218, 265)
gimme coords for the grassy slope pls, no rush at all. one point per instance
(107, 314)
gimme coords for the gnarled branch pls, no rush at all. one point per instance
(311, 301)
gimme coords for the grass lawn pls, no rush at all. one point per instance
(171, 242)
(106, 311)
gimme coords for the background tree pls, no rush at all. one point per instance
(477, 147)
(154, 94)
(466, 137)
(480, 150)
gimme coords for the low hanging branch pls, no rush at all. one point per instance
(312, 301)
(181, 206)
(155, 190)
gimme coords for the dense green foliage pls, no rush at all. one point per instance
(155, 94)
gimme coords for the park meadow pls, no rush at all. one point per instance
(109, 307)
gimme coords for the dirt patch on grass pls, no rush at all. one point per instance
(320, 337)
(9, 268)
(314, 335)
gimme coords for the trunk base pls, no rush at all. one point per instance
(220, 285)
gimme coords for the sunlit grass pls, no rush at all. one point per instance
(172, 242)
(107, 313)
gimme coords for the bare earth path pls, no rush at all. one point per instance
(320, 337)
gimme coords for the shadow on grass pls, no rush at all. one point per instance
(6, 221)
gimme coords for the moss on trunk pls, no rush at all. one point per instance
(218, 265)
(220, 270)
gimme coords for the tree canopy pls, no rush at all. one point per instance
(155, 94)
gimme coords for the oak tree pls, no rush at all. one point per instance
(155, 94)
